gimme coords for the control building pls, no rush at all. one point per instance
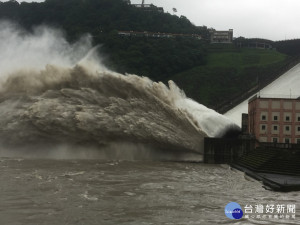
(221, 36)
(274, 120)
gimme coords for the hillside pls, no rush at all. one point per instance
(210, 74)
(229, 72)
(97, 17)
(158, 58)
(289, 47)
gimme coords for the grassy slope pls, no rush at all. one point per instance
(228, 73)
(244, 57)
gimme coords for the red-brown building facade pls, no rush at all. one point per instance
(274, 119)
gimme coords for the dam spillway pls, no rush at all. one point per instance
(286, 86)
(61, 95)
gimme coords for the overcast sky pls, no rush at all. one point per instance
(270, 19)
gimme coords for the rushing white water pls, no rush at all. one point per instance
(213, 123)
(54, 93)
(286, 86)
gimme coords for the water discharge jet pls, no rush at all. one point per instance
(67, 98)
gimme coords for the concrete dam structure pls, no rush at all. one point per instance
(286, 86)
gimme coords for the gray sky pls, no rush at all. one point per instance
(270, 19)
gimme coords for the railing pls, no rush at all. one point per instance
(281, 146)
(260, 95)
(156, 34)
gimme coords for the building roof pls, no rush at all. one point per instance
(274, 97)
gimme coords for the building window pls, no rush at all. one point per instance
(287, 140)
(298, 141)
(275, 118)
(287, 128)
(298, 129)
(263, 128)
(263, 117)
(287, 118)
(275, 140)
(298, 119)
(275, 128)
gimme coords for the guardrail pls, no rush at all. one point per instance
(281, 146)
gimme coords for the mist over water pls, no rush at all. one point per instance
(57, 100)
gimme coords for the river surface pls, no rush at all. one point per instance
(57, 192)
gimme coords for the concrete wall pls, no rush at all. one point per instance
(222, 150)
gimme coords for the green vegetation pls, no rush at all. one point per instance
(228, 74)
(244, 57)
(289, 47)
(207, 73)
(96, 17)
(158, 59)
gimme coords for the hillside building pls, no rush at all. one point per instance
(274, 120)
(221, 36)
(149, 7)
(253, 43)
(156, 34)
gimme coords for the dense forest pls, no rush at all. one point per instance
(156, 58)
(289, 47)
(95, 17)
(210, 74)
